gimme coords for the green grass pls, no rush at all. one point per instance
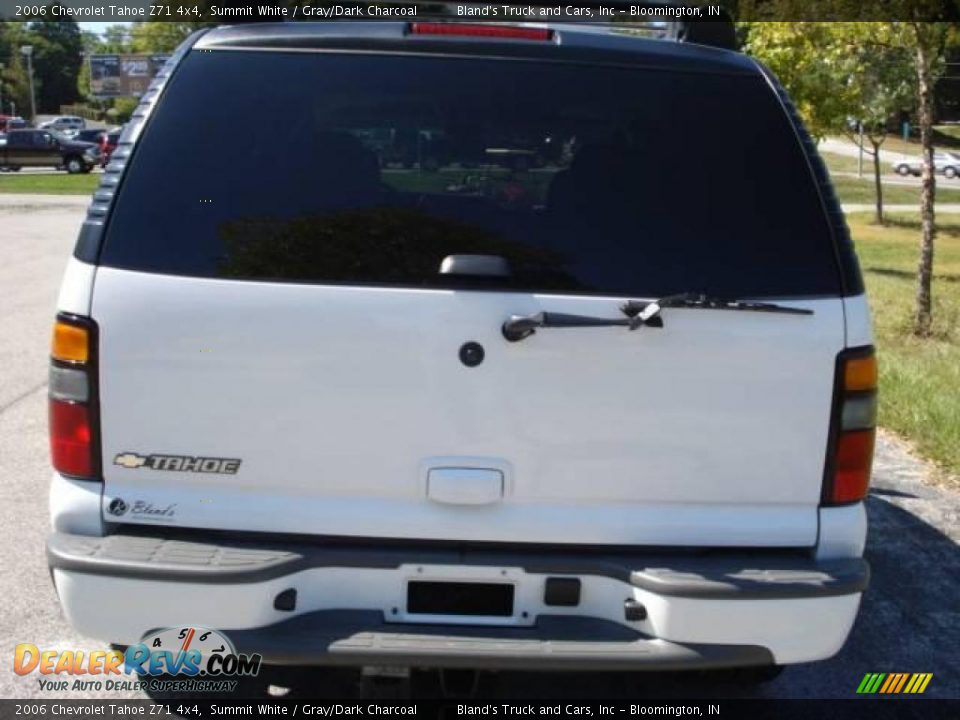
(945, 137)
(59, 184)
(836, 162)
(854, 190)
(919, 379)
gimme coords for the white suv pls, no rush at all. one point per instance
(592, 415)
(65, 123)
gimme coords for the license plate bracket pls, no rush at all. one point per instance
(474, 599)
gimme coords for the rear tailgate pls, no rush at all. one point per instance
(703, 433)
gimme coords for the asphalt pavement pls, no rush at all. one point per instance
(909, 621)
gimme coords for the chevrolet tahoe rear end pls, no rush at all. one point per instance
(614, 412)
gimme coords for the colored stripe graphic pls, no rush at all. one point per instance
(894, 683)
(866, 687)
(918, 683)
(899, 679)
(903, 681)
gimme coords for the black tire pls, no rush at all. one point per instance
(903, 170)
(950, 172)
(74, 164)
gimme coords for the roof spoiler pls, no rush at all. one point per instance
(718, 32)
(711, 30)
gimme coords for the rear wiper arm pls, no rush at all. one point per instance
(518, 327)
(638, 314)
(650, 311)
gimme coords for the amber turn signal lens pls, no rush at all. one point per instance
(71, 343)
(860, 373)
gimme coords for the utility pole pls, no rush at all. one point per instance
(860, 160)
(2, 68)
(27, 51)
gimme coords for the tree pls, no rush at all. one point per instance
(116, 39)
(923, 29)
(91, 44)
(161, 37)
(928, 42)
(58, 55)
(13, 77)
(841, 75)
(882, 86)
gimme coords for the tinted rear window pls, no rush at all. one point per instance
(366, 169)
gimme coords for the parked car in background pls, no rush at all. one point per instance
(108, 143)
(47, 148)
(64, 122)
(946, 164)
(11, 122)
(91, 135)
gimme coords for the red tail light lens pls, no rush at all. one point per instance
(486, 31)
(73, 397)
(71, 438)
(853, 431)
(852, 463)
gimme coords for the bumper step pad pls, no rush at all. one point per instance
(361, 637)
(735, 574)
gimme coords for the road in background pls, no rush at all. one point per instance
(909, 622)
(850, 149)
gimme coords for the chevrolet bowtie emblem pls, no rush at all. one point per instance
(129, 460)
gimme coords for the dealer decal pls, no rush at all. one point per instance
(178, 463)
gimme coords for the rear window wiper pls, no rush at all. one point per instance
(518, 327)
(649, 312)
(638, 314)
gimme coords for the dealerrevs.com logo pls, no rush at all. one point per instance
(187, 659)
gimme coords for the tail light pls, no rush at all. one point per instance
(74, 414)
(852, 428)
(485, 31)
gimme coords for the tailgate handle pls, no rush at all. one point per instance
(464, 486)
